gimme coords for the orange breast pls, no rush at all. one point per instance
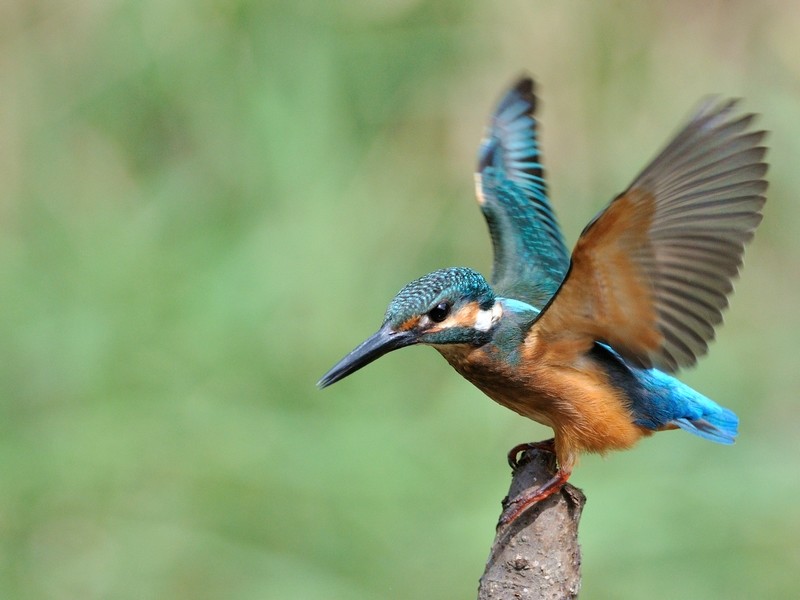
(558, 386)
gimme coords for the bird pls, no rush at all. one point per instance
(588, 343)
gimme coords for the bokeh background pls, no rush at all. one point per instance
(204, 205)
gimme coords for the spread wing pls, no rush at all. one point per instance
(651, 274)
(530, 257)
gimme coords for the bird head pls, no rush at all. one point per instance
(448, 306)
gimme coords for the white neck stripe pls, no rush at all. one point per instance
(486, 318)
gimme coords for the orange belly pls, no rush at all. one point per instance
(558, 388)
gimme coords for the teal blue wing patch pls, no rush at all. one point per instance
(530, 257)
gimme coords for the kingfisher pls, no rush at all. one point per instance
(588, 343)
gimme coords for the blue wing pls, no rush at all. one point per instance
(530, 257)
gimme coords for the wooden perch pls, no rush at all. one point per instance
(536, 556)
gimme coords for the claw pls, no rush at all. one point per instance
(514, 508)
(513, 454)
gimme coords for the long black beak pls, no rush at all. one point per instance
(383, 341)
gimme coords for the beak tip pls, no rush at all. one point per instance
(374, 347)
(332, 376)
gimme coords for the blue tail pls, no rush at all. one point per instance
(667, 401)
(721, 427)
(659, 400)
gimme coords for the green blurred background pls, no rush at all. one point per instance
(206, 204)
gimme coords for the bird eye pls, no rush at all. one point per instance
(439, 312)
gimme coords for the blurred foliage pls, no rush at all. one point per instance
(206, 204)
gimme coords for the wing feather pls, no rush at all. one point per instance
(530, 257)
(652, 273)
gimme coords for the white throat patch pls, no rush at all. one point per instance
(484, 319)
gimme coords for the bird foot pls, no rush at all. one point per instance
(512, 509)
(513, 454)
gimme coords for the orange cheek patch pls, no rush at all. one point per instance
(408, 324)
(467, 315)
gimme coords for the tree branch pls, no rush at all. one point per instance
(536, 556)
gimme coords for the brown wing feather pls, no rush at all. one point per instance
(651, 274)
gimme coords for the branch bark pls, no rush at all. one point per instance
(537, 556)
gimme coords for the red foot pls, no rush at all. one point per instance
(513, 454)
(531, 496)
